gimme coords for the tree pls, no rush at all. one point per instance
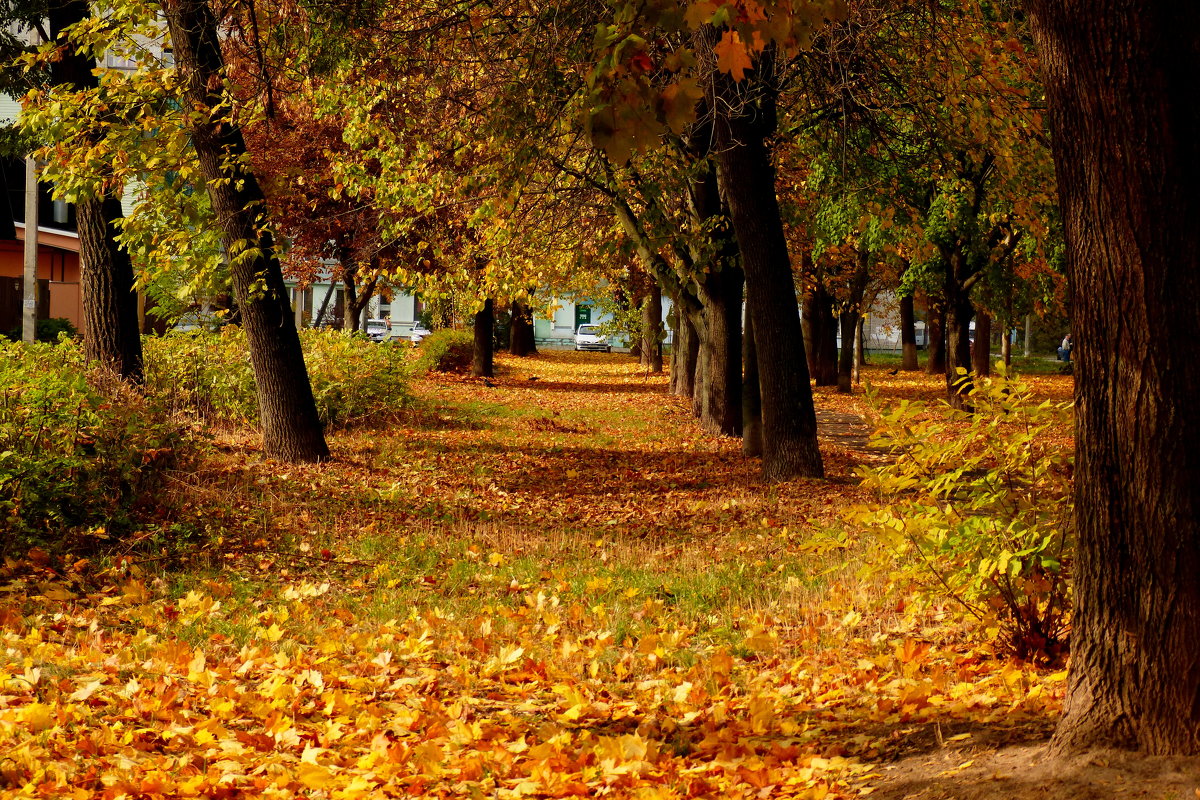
(291, 426)
(1120, 77)
(111, 334)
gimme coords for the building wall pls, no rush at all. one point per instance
(58, 268)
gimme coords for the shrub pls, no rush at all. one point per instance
(208, 376)
(203, 374)
(981, 504)
(447, 350)
(356, 381)
(48, 330)
(77, 448)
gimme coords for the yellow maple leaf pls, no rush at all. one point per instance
(315, 776)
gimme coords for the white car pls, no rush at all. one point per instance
(418, 333)
(588, 337)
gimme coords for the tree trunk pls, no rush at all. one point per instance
(521, 340)
(686, 351)
(981, 353)
(908, 335)
(1006, 345)
(747, 181)
(291, 425)
(827, 346)
(845, 378)
(1120, 78)
(483, 360)
(111, 333)
(959, 312)
(809, 330)
(319, 319)
(751, 403)
(860, 345)
(721, 294)
(651, 356)
(935, 327)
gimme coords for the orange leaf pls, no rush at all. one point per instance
(732, 56)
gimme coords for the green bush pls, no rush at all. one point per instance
(356, 382)
(77, 448)
(208, 375)
(48, 330)
(447, 350)
(981, 511)
(202, 374)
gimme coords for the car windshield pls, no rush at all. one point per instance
(587, 329)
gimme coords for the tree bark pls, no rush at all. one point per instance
(827, 346)
(291, 426)
(111, 333)
(860, 345)
(483, 352)
(935, 327)
(686, 353)
(908, 335)
(981, 352)
(751, 402)
(959, 312)
(823, 332)
(721, 294)
(1120, 78)
(651, 356)
(521, 340)
(747, 181)
(849, 321)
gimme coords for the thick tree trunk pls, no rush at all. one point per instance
(1006, 345)
(981, 353)
(1120, 78)
(821, 334)
(809, 329)
(291, 426)
(685, 352)
(111, 333)
(521, 341)
(651, 356)
(751, 403)
(747, 181)
(483, 352)
(935, 327)
(908, 335)
(721, 294)
(845, 378)
(827, 345)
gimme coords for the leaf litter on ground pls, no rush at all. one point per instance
(540, 588)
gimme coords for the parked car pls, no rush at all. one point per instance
(588, 337)
(419, 332)
(377, 330)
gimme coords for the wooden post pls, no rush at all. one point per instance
(30, 287)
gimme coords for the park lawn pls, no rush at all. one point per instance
(549, 584)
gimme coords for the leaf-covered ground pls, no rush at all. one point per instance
(550, 584)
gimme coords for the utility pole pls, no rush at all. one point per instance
(30, 287)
